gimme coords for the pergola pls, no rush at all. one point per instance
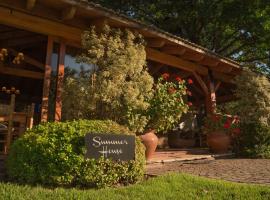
(63, 21)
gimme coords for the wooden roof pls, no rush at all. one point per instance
(67, 19)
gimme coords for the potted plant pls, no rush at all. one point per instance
(220, 129)
(166, 107)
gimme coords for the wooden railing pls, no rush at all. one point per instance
(19, 123)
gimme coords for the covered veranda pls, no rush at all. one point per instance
(48, 34)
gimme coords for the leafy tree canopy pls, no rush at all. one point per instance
(233, 28)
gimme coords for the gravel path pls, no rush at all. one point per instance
(237, 170)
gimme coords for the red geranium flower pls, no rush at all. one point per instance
(190, 104)
(177, 78)
(190, 81)
(165, 76)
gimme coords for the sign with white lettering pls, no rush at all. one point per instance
(116, 147)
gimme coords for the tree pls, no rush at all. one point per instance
(233, 28)
(122, 83)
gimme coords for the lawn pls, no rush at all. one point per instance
(172, 186)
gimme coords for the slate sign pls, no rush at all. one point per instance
(116, 147)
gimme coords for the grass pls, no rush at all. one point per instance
(171, 186)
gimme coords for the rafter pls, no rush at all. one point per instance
(167, 59)
(21, 72)
(173, 50)
(28, 59)
(30, 4)
(69, 13)
(155, 42)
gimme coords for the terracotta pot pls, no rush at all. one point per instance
(218, 142)
(150, 141)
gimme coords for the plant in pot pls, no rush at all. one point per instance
(166, 107)
(220, 130)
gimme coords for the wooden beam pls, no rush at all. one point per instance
(202, 83)
(47, 81)
(156, 43)
(223, 77)
(23, 41)
(30, 4)
(217, 86)
(193, 56)
(99, 23)
(39, 25)
(209, 62)
(167, 59)
(21, 73)
(28, 59)
(69, 13)
(60, 79)
(174, 50)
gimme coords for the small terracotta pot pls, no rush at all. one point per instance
(218, 142)
(150, 141)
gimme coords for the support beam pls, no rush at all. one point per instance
(217, 86)
(30, 4)
(174, 61)
(202, 84)
(69, 13)
(28, 59)
(156, 43)
(209, 62)
(210, 100)
(60, 79)
(21, 73)
(47, 81)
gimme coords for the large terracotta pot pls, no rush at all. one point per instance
(218, 142)
(150, 141)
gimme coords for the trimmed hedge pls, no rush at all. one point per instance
(53, 154)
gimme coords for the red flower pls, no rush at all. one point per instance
(177, 78)
(189, 93)
(226, 125)
(190, 81)
(165, 76)
(190, 104)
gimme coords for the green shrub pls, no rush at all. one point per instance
(255, 140)
(53, 154)
(253, 108)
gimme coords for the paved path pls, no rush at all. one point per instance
(237, 170)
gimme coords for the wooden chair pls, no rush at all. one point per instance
(21, 121)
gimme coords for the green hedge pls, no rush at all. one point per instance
(53, 154)
(255, 140)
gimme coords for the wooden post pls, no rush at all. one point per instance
(46, 81)
(10, 122)
(60, 79)
(210, 100)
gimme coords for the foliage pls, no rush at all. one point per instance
(253, 91)
(122, 84)
(168, 104)
(224, 123)
(233, 28)
(253, 106)
(255, 142)
(77, 96)
(53, 154)
(172, 186)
